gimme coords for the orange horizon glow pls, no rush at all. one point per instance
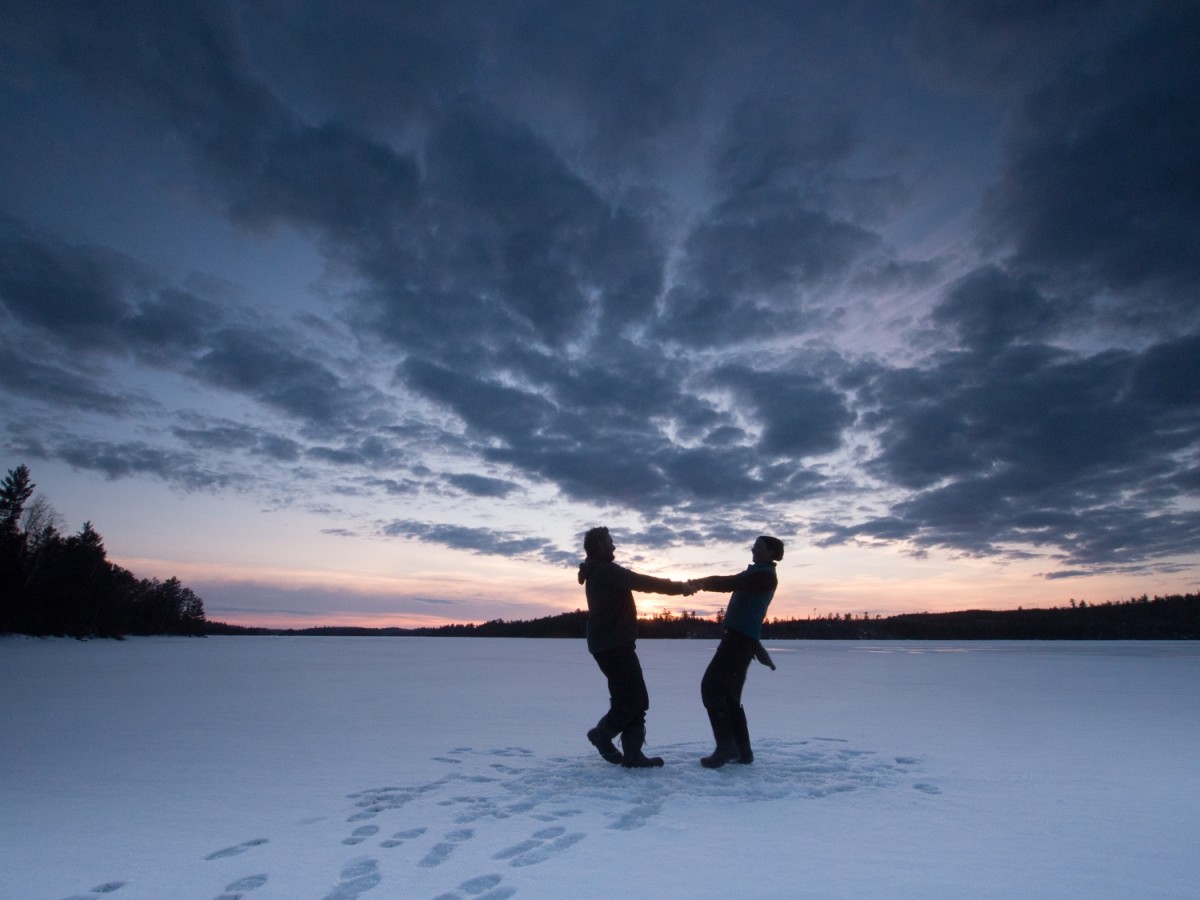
(811, 587)
(300, 622)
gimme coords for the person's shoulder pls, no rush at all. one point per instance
(606, 567)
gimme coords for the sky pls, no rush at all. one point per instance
(363, 313)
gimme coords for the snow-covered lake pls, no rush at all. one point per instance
(271, 767)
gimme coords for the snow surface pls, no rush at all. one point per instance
(336, 768)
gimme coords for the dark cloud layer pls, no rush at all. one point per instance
(1040, 448)
(483, 541)
(615, 246)
(1100, 193)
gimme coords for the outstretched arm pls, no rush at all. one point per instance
(648, 584)
(742, 581)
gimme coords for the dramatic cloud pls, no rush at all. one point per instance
(1037, 447)
(476, 540)
(917, 275)
(1099, 196)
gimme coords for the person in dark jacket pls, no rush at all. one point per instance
(721, 687)
(611, 637)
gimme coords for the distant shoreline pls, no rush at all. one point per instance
(1175, 617)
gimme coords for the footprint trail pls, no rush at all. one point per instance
(508, 808)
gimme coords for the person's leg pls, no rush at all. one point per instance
(632, 741)
(628, 698)
(635, 697)
(609, 726)
(741, 729)
(628, 702)
(601, 737)
(720, 689)
(741, 735)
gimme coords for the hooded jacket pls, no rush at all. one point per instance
(612, 615)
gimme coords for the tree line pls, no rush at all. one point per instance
(1174, 617)
(56, 584)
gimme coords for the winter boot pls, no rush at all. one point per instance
(727, 748)
(741, 736)
(601, 737)
(631, 742)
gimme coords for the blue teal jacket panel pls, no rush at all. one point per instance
(753, 591)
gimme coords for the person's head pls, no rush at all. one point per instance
(767, 549)
(598, 543)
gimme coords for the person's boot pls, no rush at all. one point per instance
(727, 748)
(602, 739)
(741, 736)
(631, 743)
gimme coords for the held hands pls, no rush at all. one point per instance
(691, 586)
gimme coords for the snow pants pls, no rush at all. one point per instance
(721, 687)
(628, 699)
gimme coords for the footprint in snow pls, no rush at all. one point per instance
(636, 815)
(484, 887)
(380, 800)
(234, 851)
(361, 834)
(358, 877)
(540, 847)
(554, 790)
(555, 814)
(107, 888)
(236, 891)
(401, 836)
(442, 850)
(505, 769)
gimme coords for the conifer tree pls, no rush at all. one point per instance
(15, 491)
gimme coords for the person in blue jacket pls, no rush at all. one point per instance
(611, 639)
(721, 687)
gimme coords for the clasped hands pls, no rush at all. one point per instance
(692, 585)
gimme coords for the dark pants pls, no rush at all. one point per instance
(628, 698)
(721, 690)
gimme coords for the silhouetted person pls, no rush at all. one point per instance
(721, 688)
(611, 637)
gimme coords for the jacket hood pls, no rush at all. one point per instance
(585, 569)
